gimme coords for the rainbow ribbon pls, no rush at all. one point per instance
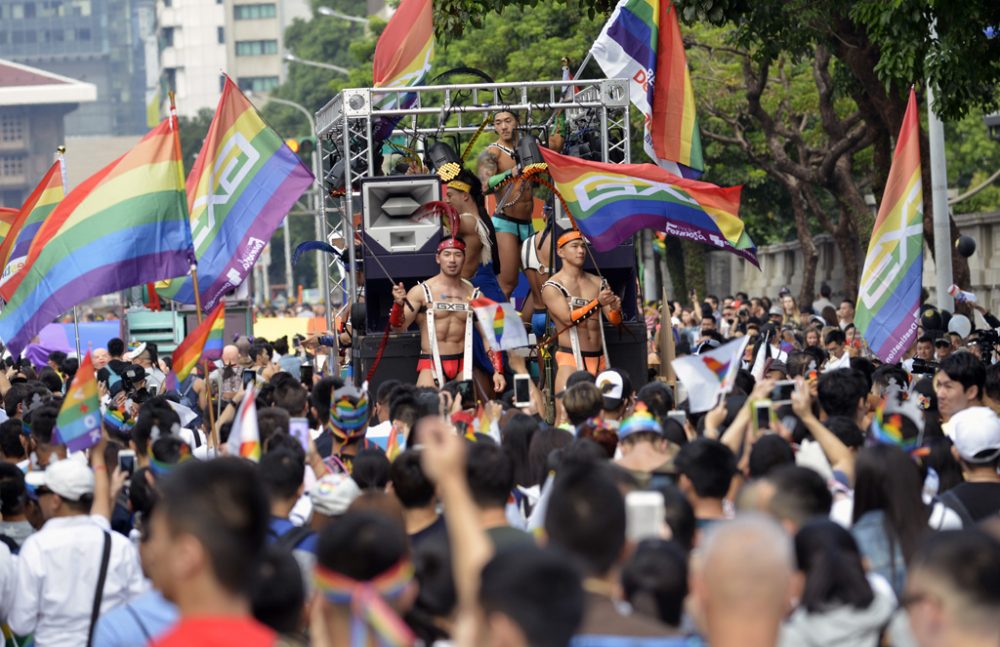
(348, 417)
(370, 613)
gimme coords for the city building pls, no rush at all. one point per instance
(191, 36)
(255, 48)
(33, 106)
(101, 42)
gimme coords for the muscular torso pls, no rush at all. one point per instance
(520, 195)
(586, 287)
(449, 325)
(473, 246)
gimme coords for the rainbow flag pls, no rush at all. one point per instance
(14, 249)
(889, 292)
(711, 374)
(195, 345)
(78, 425)
(7, 219)
(500, 324)
(123, 226)
(403, 56)
(215, 341)
(642, 42)
(610, 202)
(244, 439)
(240, 188)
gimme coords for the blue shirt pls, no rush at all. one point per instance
(279, 527)
(138, 622)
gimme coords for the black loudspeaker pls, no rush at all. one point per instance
(399, 361)
(239, 320)
(401, 246)
(627, 350)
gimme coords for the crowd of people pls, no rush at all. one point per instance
(825, 500)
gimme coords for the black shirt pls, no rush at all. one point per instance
(981, 499)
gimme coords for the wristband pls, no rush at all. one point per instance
(498, 179)
(583, 312)
(496, 359)
(615, 317)
(396, 315)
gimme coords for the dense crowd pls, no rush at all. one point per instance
(825, 500)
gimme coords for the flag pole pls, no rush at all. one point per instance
(60, 157)
(212, 434)
(76, 332)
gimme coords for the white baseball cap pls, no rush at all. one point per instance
(976, 434)
(69, 479)
(333, 494)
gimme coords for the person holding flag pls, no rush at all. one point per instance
(573, 297)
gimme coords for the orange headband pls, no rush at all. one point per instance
(569, 236)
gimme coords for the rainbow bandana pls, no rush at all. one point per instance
(116, 420)
(348, 412)
(887, 424)
(641, 420)
(159, 468)
(369, 610)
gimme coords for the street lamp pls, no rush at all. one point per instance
(292, 58)
(333, 13)
(322, 276)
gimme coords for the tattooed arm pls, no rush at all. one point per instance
(488, 167)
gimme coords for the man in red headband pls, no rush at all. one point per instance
(440, 306)
(578, 302)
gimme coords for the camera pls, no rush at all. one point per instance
(923, 367)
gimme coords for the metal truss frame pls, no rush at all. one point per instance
(345, 125)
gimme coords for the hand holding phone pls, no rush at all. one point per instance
(645, 515)
(126, 462)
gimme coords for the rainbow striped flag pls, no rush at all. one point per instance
(244, 438)
(195, 346)
(642, 42)
(500, 324)
(78, 425)
(215, 341)
(610, 202)
(14, 249)
(242, 185)
(403, 56)
(7, 219)
(123, 226)
(889, 292)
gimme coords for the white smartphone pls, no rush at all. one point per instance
(126, 461)
(522, 390)
(645, 515)
(298, 428)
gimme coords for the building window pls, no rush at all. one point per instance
(83, 34)
(255, 11)
(11, 128)
(81, 8)
(257, 83)
(11, 166)
(29, 9)
(256, 47)
(221, 34)
(168, 3)
(167, 37)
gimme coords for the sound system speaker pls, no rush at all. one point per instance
(239, 320)
(627, 350)
(399, 361)
(402, 246)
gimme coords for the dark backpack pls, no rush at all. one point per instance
(294, 536)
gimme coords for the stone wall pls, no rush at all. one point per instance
(782, 265)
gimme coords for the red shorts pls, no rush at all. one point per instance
(451, 365)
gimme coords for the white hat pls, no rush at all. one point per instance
(333, 493)
(69, 479)
(976, 434)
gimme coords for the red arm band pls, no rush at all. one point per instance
(497, 360)
(615, 317)
(581, 313)
(396, 315)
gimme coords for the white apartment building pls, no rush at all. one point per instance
(255, 47)
(192, 41)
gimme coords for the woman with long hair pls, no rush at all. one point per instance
(889, 515)
(839, 603)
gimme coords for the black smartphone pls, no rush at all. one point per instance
(249, 376)
(762, 415)
(306, 375)
(465, 391)
(782, 391)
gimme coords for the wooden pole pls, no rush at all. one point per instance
(212, 434)
(667, 349)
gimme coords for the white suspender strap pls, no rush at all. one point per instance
(574, 336)
(600, 326)
(432, 337)
(467, 355)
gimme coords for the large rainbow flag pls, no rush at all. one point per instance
(403, 56)
(196, 345)
(642, 42)
(78, 425)
(242, 185)
(14, 249)
(610, 202)
(889, 294)
(123, 226)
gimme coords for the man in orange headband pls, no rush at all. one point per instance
(578, 302)
(440, 306)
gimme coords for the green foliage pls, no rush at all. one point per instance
(972, 158)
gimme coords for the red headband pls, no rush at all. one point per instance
(451, 243)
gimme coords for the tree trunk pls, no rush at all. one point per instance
(694, 267)
(675, 265)
(810, 255)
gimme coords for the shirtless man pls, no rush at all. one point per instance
(513, 222)
(440, 306)
(474, 227)
(573, 297)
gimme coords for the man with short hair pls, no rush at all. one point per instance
(617, 394)
(646, 452)
(206, 532)
(975, 434)
(13, 502)
(282, 472)
(490, 473)
(843, 392)
(706, 469)
(845, 313)
(952, 593)
(834, 341)
(416, 494)
(824, 298)
(793, 495)
(959, 384)
(59, 567)
(741, 582)
(942, 347)
(13, 443)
